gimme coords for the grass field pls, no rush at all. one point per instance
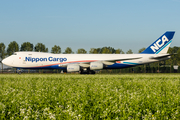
(59, 96)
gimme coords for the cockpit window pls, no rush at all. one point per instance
(14, 53)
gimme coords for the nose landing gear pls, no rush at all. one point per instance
(19, 71)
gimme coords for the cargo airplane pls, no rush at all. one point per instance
(88, 63)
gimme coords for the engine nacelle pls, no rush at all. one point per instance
(96, 66)
(73, 68)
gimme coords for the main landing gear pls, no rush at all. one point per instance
(87, 72)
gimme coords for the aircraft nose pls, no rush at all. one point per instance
(6, 61)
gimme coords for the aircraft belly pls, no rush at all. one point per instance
(44, 67)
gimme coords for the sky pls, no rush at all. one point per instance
(124, 24)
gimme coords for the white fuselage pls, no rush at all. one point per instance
(59, 61)
(157, 51)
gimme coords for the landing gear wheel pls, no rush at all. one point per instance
(19, 71)
(87, 72)
(91, 72)
(82, 72)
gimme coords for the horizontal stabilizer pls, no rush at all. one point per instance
(160, 57)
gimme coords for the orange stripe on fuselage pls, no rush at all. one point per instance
(118, 61)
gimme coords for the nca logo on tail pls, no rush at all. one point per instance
(159, 43)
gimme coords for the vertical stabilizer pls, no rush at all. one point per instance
(161, 45)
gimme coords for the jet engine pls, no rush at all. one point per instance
(73, 68)
(96, 65)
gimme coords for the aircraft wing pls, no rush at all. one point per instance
(114, 60)
(106, 62)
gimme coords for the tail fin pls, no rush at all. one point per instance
(161, 45)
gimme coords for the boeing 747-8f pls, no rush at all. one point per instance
(87, 63)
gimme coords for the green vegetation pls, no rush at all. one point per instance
(57, 96)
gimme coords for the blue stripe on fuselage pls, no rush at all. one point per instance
(121, 65)
(45, 67)
(114, 66)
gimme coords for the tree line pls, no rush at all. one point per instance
(40, 47)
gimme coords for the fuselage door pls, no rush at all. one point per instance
(25, 61)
